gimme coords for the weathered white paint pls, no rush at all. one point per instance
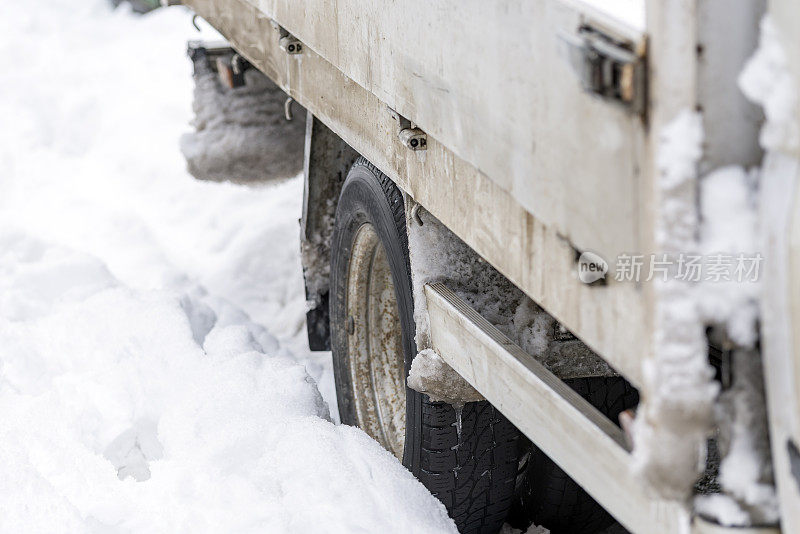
(610, 318)
(781, 323)
(730, 121)
(493, 84)
(780, 201)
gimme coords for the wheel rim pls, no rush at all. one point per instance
(375, 344)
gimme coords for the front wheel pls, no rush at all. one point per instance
(466, 457)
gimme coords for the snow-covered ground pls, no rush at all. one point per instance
(154, 374)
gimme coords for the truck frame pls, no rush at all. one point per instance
(537, 132)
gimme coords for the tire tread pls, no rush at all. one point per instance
(473, 472)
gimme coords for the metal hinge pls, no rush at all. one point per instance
(608, 67)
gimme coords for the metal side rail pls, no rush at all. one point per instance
(580, 439)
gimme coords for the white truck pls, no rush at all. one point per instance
(573, 227)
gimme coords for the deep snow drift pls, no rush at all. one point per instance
(153, 370)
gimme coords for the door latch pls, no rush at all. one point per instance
(607, 67)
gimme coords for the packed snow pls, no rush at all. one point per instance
(438, 255)
(431, 375)
(674, 420)
(747, 211)
(767, 80)
(630, 12)
(154, 374)
(746, 474)
(729, 226)
(741, 212)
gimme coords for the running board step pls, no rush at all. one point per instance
(572, 432)
(580, 439)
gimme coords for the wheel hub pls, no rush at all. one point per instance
(375, 345)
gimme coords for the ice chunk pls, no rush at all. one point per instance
(430, 374)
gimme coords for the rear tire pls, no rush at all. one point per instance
(467, 459)
(547, 496)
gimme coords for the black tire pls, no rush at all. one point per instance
(471, 469)
(546, 495)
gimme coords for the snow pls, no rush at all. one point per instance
(680, 151)
(153, 370)
(759, 207)
(533, 529)
(438, 255)
(746, 473)
(746, 470)
(730, 223)
(430, 374)
(631, 12)
(728, 200)
(767, 80)
(729, 227)
(722, 508)
(672, 422)
(676, 416)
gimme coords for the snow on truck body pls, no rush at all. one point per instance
(552, 130)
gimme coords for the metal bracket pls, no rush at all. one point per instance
(287, 42)
(287, 108)
(607, 67)
(291, 45)
(239, 64)
(411, 136)
(220, 58)
(416, 210)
